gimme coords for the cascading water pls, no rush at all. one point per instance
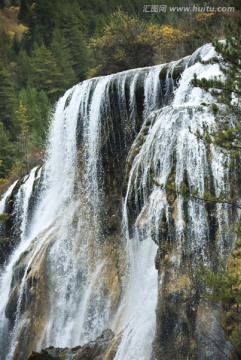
(85, 258)
(21, 209)
(5, 197)
(170, 154)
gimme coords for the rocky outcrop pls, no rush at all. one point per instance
(188, 326)
(103, 348)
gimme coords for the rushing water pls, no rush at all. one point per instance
(91, 285)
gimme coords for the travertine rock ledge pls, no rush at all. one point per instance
(104, 347)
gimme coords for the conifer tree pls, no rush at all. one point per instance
(25, 15)
(61, 52)
(45, 73)
(6, 152)
(228, 57)
(227, 91)
(45, 20)
(23, 69)
(44, 107)
(77, 46)
(37, 111)
(7, 99)
(23, 120)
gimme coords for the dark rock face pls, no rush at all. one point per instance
(7, 239)
(94, 350)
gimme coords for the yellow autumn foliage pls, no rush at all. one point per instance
(203, 17)
(165, 35)
(9, 22)
(128, 42)
(166, 41)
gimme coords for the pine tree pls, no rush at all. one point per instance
(227, 91)
(5, 46)
(25, 15)
(45, 20)
(23, 120)
(6, 152)
(77, 46)
(7, 99)
(23, 69)
(229, 53)
(63, 59)
(46, 74)
(45, 113)
(38, 112)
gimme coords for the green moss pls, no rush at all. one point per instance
(4, 217)
(214, 108)
(4, 240)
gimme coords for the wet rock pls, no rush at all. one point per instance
(51, 353)
(95, 350)
(99, 349)
(176, 309)
(5, 248)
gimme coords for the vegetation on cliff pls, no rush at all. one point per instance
(223, 286)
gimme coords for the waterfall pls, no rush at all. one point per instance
(5, 197)
(90, 220)
(21, 209)
(172, 145)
